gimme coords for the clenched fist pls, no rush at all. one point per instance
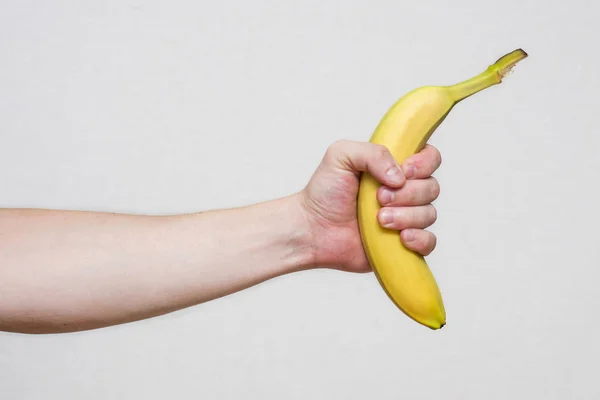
(406, 194)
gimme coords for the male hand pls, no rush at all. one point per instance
(329, 201)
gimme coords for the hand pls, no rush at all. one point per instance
(329, 201)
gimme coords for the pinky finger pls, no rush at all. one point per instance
(419, 240)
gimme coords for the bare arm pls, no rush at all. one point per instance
(64, 271)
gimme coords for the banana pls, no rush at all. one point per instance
(405, 129)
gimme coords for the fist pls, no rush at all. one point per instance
(406, 194)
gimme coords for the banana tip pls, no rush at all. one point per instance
(437, 327)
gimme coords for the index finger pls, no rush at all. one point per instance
(422, 164)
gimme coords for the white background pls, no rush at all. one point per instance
(170, 107)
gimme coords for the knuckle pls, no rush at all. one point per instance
(432, 213)
(437, 156)
(381, 152)
(341, 143)
(434, 189)
(430, 243)
(335, 149)
(337, 145)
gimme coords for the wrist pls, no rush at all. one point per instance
(297, 234)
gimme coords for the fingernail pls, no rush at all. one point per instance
(409, 171)
(387, 196)
(387, 217)
(394, 174)
(409, 235)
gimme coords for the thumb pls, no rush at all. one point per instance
(359, 157)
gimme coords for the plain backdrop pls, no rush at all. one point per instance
(158, 107)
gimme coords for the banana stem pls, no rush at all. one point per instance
(491, 76)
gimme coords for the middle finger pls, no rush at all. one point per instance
(417, 192)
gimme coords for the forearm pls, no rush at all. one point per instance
(66, 271)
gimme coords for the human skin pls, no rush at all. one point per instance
(66, 271)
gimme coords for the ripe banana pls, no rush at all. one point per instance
(404, 130)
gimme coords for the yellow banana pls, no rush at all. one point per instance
(404, 130)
